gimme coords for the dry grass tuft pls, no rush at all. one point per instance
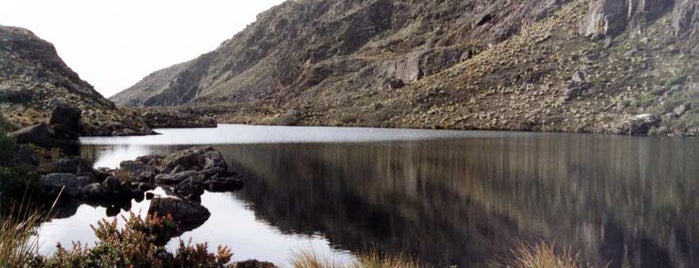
(309, 259)
(540, 255)
(18, 243)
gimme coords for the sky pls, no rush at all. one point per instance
(114, 44)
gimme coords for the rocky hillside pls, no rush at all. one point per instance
(34, 81)
(609, 66)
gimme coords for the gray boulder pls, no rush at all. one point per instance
(223, 184)
(72, 164)
(93, 192)
(138, 171)
(196, 158)
(172, 179)
(191, 188)
(74, 185)
(189, 214)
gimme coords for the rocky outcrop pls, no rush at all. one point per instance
(639, 125)
(612, 17)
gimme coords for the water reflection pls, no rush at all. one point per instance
(619, 201)
(460, 198)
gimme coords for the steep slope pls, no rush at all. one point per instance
(555, 65)
(33, 80)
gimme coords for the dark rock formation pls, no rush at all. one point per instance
(138, 171)
(189, 214)
(254, 264)
(639, 125)
(73, 184)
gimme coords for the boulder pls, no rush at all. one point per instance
(196, 158)
(254, 264)
(72, 164)
(189, 214)
(111, 184)
(153, 159)
(40, 134)
(223, 184)
(138, 171)
(172, 179)
(65, 119)
(639, 125)
(191, 188)
(94, 192)
(74, 185)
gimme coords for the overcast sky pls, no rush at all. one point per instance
(113, 44)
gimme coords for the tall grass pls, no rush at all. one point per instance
(18, 243)
(307, 258)
(540, 255)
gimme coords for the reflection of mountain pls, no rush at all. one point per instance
(624, 200)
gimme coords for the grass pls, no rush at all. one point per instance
(540, 255)
(308, 259)
(18, 243)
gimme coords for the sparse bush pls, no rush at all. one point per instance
(141, 243)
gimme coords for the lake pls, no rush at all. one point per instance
(461, 198)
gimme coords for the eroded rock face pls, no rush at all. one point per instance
(612, 17)
(686, 18)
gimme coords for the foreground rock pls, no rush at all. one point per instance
(189, 214)
(70, 184)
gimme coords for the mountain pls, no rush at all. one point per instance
(606, 66)
(34, 80)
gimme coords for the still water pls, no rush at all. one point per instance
(444, 197)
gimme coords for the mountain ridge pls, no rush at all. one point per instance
(568, 67)
(34, 81)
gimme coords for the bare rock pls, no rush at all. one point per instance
(189, 214)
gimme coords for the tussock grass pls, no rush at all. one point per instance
(308, 259)
(540, 255)
(18, 243)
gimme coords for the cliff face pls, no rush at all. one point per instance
(553, 65)
(34, 80)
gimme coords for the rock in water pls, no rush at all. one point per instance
(197, 158)
(74, 185)
(190, 215)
